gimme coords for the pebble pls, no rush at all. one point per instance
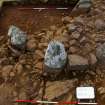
(100, 25)
(75, 35)
(73, 49)
(83, 39)
(6, 70)
(93, 59)
(59, 88)
(100, 53)
(39, 65)
(19, 68)
(31, 45)
(39, 53)
(72, 42)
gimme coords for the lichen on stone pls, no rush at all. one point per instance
(56, 55)
(17, 37)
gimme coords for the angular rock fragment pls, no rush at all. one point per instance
(17, 37)
(55, 57)
(57, 89)
(77, 62)
(31, 45)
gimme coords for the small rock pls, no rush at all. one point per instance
(53, 28)
(101, 90)
(66, 19)
(72, 42)
(31, 45)
(93, 59)
(85, 4)
(42, 45)
(79, 20)
(71, 27)
(17, 37)
(75, 35)
(39, 53)
(73, 49)
(6, 95)
(39, 65)
(6, 70)
(12, 74)
(77, 62)
(100, 53)
(59, 88)
(83, 39)
(19, 68)
(100, 25)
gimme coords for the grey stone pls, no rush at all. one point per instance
(17, 37)
(56, 55)
(77, 62)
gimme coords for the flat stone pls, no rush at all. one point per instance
(57, 89)
(77, 62)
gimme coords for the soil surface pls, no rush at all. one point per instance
(21, 76)
(29, 19)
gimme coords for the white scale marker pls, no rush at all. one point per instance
(45, 8)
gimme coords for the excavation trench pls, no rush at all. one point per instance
(31, 21)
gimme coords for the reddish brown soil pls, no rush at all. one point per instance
(28, 19)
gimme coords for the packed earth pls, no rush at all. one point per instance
(22, 74)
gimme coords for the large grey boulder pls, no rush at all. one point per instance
(17, 37)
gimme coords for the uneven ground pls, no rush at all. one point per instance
(20, 78)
